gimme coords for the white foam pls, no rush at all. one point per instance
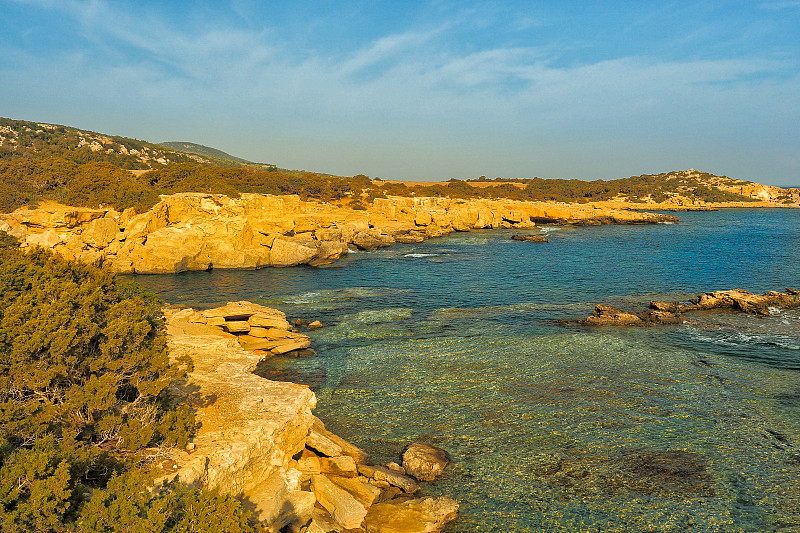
(420, 255)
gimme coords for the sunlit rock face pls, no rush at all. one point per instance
(196, 231)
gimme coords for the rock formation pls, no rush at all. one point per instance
(258, 439)
(196, 231)
(673, 312)
(529, 238)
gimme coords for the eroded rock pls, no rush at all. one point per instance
(424, 515)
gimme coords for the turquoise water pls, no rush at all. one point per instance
(551, 428)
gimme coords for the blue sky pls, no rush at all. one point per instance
(424, 90)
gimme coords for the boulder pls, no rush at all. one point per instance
(424, 461)
(423, 515)
(345, 509)
(287, 253)
(343, 465)
(371, 240)
(333, 445)
(99, 232)
(364, 492)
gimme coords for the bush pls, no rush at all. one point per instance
(84, 391)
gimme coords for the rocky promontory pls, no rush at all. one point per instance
(738, 300)
(259, 440)
(197, 231)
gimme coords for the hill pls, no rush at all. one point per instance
(205, 151)
(51, 162)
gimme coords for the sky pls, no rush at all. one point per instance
(426, 90)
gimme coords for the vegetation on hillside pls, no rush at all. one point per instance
(46, 162)
(85, 405)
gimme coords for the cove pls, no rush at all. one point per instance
(551, 428)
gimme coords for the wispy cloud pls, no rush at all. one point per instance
(509, 107)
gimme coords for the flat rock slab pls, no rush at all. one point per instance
(241, 311)
(423, 515)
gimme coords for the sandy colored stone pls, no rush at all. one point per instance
(333, 445)
(236, 326)
(364, 492)
(293, 345)
(423, 461)
(269, 322)
(342, 465)
(100, 232)
(425, 515)
(345, 509)
(381, 474)
(242, 310)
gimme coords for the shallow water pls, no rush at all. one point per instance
(552, 428)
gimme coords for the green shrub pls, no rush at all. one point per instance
(84, 391)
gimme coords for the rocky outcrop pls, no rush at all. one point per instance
(529, 238)
(258, 440)
(196, 231)
(673, 312)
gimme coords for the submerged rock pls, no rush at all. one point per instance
(424, 462)
(530, 238)
(423, 515)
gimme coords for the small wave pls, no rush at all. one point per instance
(420, 255)
(666, 222)
(738, 339)
(305, 298)
(548, 229)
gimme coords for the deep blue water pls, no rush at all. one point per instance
(553, 428)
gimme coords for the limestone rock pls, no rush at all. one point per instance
(100, 232)
(607, 315)
(425, 515)
(364, 492)
(381, 474)
(345, 509)
(530, 238)
(286, 253)
(424, 461)
(343, 465)
(333, 445)
(236, 326)
(371, 240)
(242, 311)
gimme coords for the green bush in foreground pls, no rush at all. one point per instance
(84, 398)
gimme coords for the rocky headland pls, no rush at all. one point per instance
(196, 231)
(259, 440)
(737, 300)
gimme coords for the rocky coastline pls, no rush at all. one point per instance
(197, 231)
(259, 440)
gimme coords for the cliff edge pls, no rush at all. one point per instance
(197, 231)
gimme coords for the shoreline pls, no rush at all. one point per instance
(196, 231)
(259, 441)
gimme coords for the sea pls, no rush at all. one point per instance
(460, 342)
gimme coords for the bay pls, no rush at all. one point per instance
(454, 341)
